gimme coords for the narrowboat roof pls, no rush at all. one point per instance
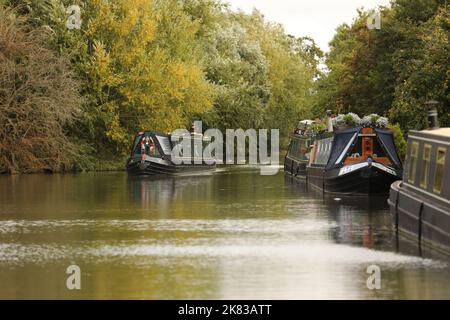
(152, 132)
(300, 136)
(343, 140)
(441, 134)
(193, 135)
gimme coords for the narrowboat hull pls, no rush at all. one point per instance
(358, 160)
(156, 167)
(364, 180)
(294, 167)
(425, 221)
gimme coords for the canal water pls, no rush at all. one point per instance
(231, 235)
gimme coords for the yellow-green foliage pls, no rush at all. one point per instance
(399, 139)
(139, 81)
(392, 71)
(159, 64)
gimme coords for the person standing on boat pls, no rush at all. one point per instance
(143, 149)
(151, 147)
(148, 146)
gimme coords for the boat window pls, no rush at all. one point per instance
(292, 150)
(356, 152)
(154, 151)
(413, 162)
(323, 148)
(378, 150)
(149, 147)
(137, 145)
(373, 148)
(295, 149)
(425, 166)
(299, 149)
(439, 173)
(305, 150)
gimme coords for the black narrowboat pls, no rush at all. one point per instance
(355, 160)
(297, 157)
(151, 154)
(420, 203)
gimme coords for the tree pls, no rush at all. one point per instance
(38, 99)
(426, 76)
(145, 68)
(263, 76)
(237, 67)
(393, 70)
(160, 64)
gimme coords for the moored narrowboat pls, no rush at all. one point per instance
(151, 154)
(420, 203)
(297, 157)
(352, 160)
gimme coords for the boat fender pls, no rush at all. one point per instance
(420, 223)
(396, 210)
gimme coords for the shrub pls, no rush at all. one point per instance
(38, 100)
(399, 139)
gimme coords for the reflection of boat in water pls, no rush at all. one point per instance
(358, 202)
(152, 154)
(420, 203)
(356, 220)
(161, 192)
(355, 160)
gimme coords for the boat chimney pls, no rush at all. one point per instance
(329, 121)
(433, 122)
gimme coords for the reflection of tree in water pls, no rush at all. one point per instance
(160, 193)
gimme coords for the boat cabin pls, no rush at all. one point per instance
(367, 145)
(347, 147)
(428, 162)
(148, 144)
(420, 204)
(152, 153)
(355, 160)
(152, 144)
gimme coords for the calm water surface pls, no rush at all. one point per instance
(231, 235)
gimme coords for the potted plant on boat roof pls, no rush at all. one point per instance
(374, 120)
(343, 121)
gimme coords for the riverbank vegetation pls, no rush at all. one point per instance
(39, 100)
(392, 70)
(73, 98)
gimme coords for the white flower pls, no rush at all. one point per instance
(382, 122)
(372, 120)
(338, 121)
(356, 118)
(366, 121)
